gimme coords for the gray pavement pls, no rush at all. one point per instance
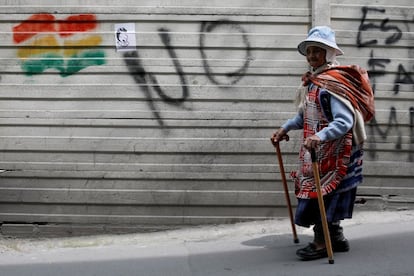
(381, 244)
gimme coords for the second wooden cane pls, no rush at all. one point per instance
(321, 203)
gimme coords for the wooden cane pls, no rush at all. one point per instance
(321, 203)
(285, 187)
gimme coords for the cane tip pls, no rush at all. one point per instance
(296, 240)
(331, 261)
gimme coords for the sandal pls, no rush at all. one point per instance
(340, 246)
(310, 252)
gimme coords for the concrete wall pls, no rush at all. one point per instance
(380, 37)
(173, 126)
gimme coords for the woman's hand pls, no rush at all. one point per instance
(312, 142)
(278, 136)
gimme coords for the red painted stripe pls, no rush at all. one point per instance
(35, 24)
(77, 23)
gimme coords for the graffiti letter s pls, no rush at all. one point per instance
(384, 27)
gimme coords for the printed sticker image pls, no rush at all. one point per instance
(125, 39)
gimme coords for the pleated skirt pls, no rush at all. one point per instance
(338, 206)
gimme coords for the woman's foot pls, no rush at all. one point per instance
(340, 245)
(316, 251)
(312, 252)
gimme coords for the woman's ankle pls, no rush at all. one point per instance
(319, 245)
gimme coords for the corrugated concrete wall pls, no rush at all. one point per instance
(169, 124)
(380, 37)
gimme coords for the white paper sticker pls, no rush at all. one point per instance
(125, 39)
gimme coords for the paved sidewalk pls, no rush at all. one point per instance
(381, 245)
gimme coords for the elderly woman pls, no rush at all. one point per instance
(333, 104)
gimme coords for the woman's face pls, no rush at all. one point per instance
(315, 56)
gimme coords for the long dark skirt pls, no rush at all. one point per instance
(338, 206)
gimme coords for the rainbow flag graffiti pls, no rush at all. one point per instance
(62, 44)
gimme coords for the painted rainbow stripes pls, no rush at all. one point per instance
(64, 45)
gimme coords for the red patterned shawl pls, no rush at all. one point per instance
(350, 82)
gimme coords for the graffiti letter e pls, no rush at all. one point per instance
(396, 36)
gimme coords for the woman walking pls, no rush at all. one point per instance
(333, 103)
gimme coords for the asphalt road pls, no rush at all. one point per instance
(381, 244)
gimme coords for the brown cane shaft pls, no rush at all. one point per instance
(285, 188)
(321, 203)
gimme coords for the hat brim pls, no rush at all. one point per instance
(320, 43)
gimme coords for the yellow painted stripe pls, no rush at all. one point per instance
(47, 44)
(73, 47)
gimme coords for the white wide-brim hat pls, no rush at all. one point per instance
(321, 36)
